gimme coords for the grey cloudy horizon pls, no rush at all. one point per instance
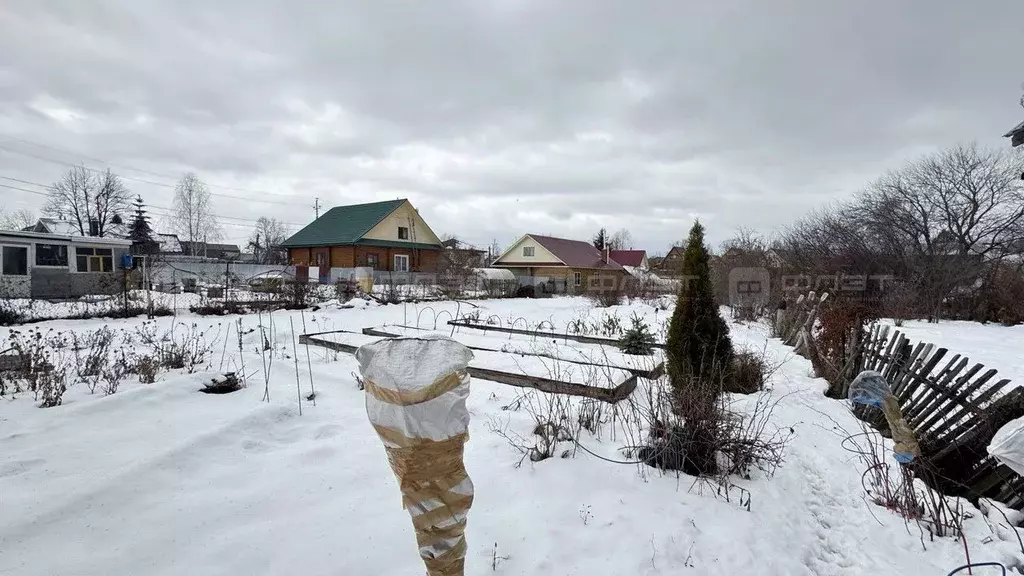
(504, 117)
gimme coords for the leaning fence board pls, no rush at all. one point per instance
(975, 420)
(914, 369)
(967, 407)
(943, 412)
(914, 404)
(953, 405)
(933, 398)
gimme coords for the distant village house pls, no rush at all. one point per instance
(559, 264)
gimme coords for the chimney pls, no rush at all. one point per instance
(604, 255)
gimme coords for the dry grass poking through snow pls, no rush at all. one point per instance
(745, 436)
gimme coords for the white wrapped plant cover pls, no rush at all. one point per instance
(1008, 445)
(416, 390)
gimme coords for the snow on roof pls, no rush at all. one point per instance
(61, 227)
(168, 243)
(72, 238)
(494, 273)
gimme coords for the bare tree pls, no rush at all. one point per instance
(193, 217)
(949, 217)
(17, 220)
(93, 202)
(455, 267)
(266, 240)
(621, 240)
(746, 240)
(494, 250)
(940, 224)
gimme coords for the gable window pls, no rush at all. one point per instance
(528, 250)
(51, 255)
(403, 233)
(15, 260)
(94, 259)
(577, 278)
(372, 260)
(401, 263)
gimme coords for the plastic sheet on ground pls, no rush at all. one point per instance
(870, 388)
(1007, 445)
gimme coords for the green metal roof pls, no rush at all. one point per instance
(343, 224)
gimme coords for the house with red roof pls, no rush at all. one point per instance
(630, 258)
(559, 264)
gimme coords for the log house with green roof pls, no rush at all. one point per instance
(386, 236)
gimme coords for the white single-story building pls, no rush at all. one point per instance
(41, 265)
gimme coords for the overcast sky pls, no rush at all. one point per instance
(503, 117)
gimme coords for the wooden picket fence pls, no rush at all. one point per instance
(953, 406)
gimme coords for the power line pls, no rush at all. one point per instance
(124, 167)
(170, 211)
(26, 182)
(22, 189)
(144, 181)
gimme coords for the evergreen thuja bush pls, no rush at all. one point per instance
(698, 344)
(699, 357)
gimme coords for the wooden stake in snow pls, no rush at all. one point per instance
(295, 354)
(224, 352)
(309, 364)
(263, 355)
(241, 354)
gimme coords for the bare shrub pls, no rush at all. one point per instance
(51, 386)
(185, 348)
(747, 375)
(750, 441)
(610, 326)
(28, 361)
(717, 441)
(147, 367)
(298, 292)
(1006, 297)
(345, 290)
(114, 373)
(9, 316)
(900, 488)
(606, 296)
(390, 292)
(455, 275)
(92, 354)
(40, 364)
(898, 303)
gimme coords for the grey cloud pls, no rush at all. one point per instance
(491, 114)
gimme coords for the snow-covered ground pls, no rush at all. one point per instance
(159, 479)
(993, 345)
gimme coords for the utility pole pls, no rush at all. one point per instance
(316, 206)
